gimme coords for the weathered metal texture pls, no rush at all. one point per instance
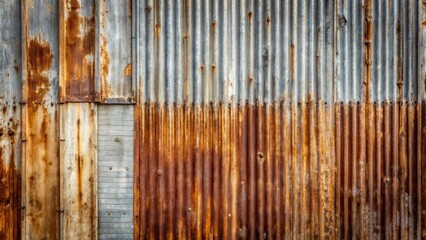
(421, 134)
(79, 170)
(77, 49)
(114, 45)
(40, 130)
(10, 121)
(116, 162)
(279, 119)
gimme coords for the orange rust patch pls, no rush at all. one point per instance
(292, 60)
(207, 170)
(105, 87)
(39, 62)
(128, 70)
(79, 53)
(10, 200)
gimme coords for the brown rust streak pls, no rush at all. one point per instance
(39, 61)
(105, 61)
(292, 60)
(42, 146)
(79, 53)
(279, 153)
(10, 188)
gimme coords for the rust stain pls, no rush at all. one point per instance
(128, 70)
(105, 61)
(10, 191)
(41, 148)
(39, 62)
(79, 53)
(250, 16)
(79, 162)
(253, 171)
(158, 29)
(424, 23)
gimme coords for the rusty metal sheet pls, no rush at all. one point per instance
(279, 119)
(10, 120)
(77, 50)
(79, 170)
(115, 82)
(40, 131)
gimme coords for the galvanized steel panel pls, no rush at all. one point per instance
(115, 171)
(40, 118)
(10, 121)
(79, 171)
(115, 82)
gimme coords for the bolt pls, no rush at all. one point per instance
(11, 132)
(342, 21)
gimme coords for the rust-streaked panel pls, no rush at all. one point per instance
(40, 120)
(10, 121)
(79, 170)
(77, 41)
(255, 171)
(280, 119)
(115, 83)
(10, 170)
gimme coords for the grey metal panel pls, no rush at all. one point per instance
(115, 171)
(267, 51)
(10, 119)
(271, 51)
(114, 52)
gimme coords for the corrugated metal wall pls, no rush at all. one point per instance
(253, 119)
(279, 119)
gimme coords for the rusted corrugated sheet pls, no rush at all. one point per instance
(77, 47)
(79, 170)
(279, 119)
(40, 131)
(10, 121)
(115, 52)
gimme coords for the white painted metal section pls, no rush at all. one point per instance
(115, 187)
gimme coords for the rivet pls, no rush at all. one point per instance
(117, 140)
(11, 132)
(189, 209)
(159, 172)
(110, 168)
